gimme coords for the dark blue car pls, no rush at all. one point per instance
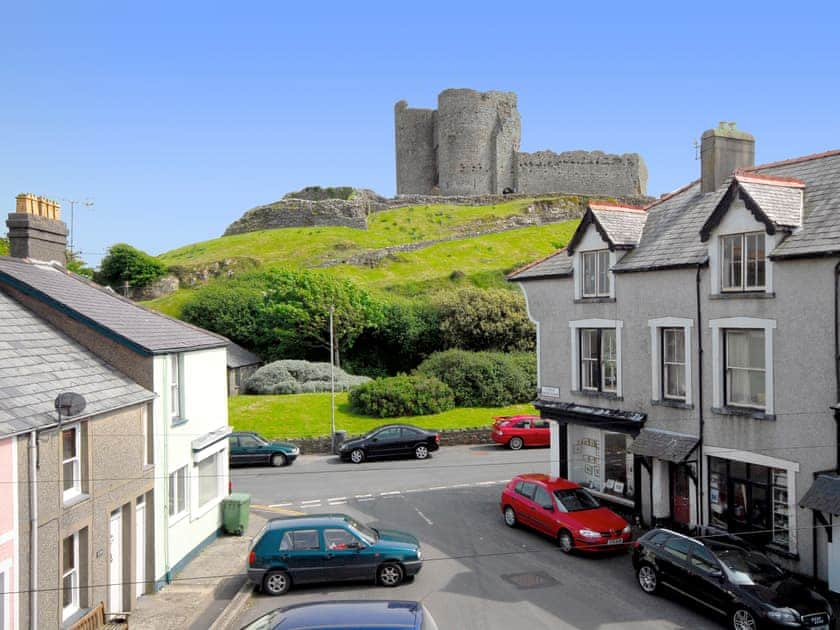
(348, 615)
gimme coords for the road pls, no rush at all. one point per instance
(477, 573)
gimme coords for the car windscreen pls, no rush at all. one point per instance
(576, 499)
(748, 567)
(367, 533)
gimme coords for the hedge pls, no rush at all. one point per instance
(396, 396)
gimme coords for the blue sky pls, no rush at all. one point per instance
(177, 117)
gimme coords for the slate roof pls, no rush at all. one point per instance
(37, 363)
(782, 203)
(823, 495)
(665, 445)
(143, 330)
(237, 356)
(554, 265)
(623, 226)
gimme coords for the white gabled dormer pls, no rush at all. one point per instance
(752, 218)
(604, 231)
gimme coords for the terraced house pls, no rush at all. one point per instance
(688, 352)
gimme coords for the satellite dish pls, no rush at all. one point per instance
(69, 404)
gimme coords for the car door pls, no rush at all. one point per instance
(542, 433)
(706, 580)
(346, 556)
(303, 555)
(385, 443)
(250, 449)
(526, 512)
(234, 450)
(544, 511)
(411, 438)
(672, 562)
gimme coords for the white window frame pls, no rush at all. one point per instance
(598, 256)
(176, 387)
(74, 605)
(219, 450)
(575, 327)
(718, 327)
(743, 287)
(177, 516)
(76, 489)
(656, 326)
(728, 369)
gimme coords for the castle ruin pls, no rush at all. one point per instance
(469, 145)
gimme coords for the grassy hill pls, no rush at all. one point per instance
(465, 259)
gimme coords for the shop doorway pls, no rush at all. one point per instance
(680, 496)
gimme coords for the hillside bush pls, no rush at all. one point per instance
(484, 379)
(485, 319)
(402, 395)
(299, 377)
(124, 263)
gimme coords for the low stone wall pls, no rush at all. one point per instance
(452, 437)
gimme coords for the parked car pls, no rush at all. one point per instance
(391, 440)
(327, 548)
(247, 447)
(729, 577)
(383, 615)
(565, 511)
(518, 431)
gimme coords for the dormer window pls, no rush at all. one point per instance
(596, 273)
(743, 264)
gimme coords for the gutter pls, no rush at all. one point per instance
(701, 420)
(33, 529)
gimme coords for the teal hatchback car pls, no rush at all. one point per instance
(247, 447)
(329, 548)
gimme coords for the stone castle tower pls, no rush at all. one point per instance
(469, 145)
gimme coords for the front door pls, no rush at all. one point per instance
(140, 550)
(834, 556)
(115, 600)
(680, 501)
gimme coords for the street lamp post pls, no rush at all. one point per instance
(332, 377)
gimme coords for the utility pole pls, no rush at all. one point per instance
(332, 377)
(87, 203)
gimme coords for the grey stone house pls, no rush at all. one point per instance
(83, 483)
(687, 354)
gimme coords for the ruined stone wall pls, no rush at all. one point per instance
(582, 172)
(303, 213)
(416, 141)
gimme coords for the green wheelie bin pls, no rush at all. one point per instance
(235, 510)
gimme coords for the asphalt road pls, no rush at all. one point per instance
(477, 573)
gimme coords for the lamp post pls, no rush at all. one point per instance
(87, 203)
(332, 377)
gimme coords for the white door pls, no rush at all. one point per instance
(834, 556)
(140, 551)
(115, 600)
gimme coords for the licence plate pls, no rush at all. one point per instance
(615, 541)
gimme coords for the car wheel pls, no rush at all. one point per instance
(510, 517)
(421, 451)
(565, 541)
(390, 574)
(357, 456)
(278, 459)
(276, 582)
(516, 443)
(742, 619)
(648, 580)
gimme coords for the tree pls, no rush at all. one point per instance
(124, 263)
(77, 265)
(4, 247)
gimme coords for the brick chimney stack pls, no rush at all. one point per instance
(36, 230)
(722, 150)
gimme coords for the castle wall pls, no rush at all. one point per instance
(582, 172)
(415, 131)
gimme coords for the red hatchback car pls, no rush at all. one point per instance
(565, 511)
(518, 431)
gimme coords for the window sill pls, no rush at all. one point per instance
(743, 295)
(591, 394)
(204, 510)
(676, 404)
(76, 499)
(595, 300)
(755, 414)
(174, 519)
(177, 422)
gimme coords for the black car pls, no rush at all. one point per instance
(391, 440)
(729, 577)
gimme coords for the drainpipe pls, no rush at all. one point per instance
(700, 418)
(837, 361)
(33, 529)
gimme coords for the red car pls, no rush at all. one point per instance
(518, 431)
(565, 511)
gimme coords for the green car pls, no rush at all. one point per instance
(329, 548)
(247, 447)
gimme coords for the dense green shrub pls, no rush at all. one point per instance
(484, 379)
(415, 395)
(485, 319)
(124, 263)
(4, 247)
(299, 377)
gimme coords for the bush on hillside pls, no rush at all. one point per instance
(124, 263)
(4, 246)
(485, 319)
(415, 395)
(484, 379)
(299, 377)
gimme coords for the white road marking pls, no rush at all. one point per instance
(424, 517)
(366, 499)
(388, 494)
(461, 485)
(280, 504)
(338, 503)
(312, 502)
(337, 499)
(486, 483)
(438, 488)
(413, 490)
(363, 496)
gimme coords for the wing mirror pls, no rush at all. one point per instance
(548, 508)
(717, 574)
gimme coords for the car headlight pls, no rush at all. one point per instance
(783, 615)
(588, 533)
(419, 555)
(626, 529)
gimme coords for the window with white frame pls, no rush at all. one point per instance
(209, 477)
(743, 264)
(178, 492)
(670, 339)
(598, 360)
(175, 387)
(69, 575)
(148, 436)
(745, 376)
(71, 467)
(596, 273)
(673, 364)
